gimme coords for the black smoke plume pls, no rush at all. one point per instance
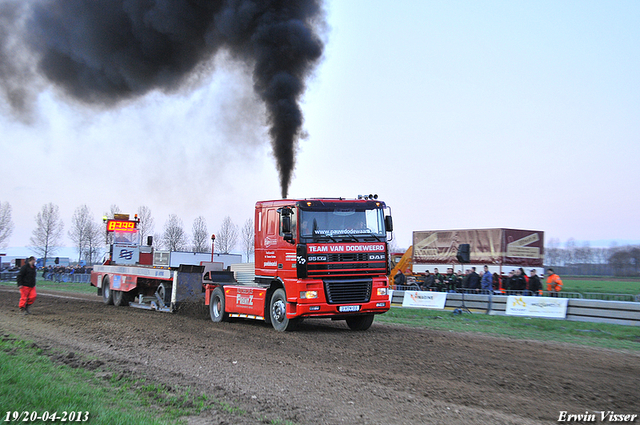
(106, 51)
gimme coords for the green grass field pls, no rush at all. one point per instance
(602, 285)
(31, 382)
(583, 333)
(84, 288)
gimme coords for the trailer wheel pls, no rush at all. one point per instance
(216, 306)
(107, 295)
(164, 291)
(120, 298)
(278, 312)
(360, 323)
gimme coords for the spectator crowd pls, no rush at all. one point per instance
(56, 273)
(516, 281)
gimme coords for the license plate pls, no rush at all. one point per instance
(348, 308)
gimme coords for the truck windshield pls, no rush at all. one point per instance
(352, 222)
(126, 237)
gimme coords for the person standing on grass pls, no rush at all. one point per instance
(554, 283)
(27, 285)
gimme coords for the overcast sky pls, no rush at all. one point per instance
(457, 114)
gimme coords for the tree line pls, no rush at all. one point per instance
(89, 235)
(582, 259)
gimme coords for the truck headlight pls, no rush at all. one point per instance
(308, 295)
(382, 291)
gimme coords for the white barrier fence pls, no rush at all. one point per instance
(578, 309)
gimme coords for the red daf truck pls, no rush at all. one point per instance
(313, 258)
(323, 258)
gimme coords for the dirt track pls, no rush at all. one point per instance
(327, 374)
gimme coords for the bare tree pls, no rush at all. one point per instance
(602, 255)
(174, 238)
(80, 227)
(48, 231)
(552, 252)
(157, 241)
(248, 241)
(6, 225)
(95, 238)
(146, 225)
(634, 253)
(570, 251)
(227, 236)
(201, 241)
(393, 247)
(584, 255)
(623, 261)
(113, 210)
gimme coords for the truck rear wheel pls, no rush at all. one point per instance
(107, 295)
(216, 306)
(360, 323)
(120, 298)
(278, 312)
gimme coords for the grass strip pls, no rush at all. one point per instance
(32, 381)
(585, 333)
(83, 288)
(600, 285)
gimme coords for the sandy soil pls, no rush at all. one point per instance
(326, 374)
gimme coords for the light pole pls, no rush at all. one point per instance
(213, 240)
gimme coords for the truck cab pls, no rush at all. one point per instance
(314, 258)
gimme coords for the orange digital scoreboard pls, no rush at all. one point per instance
(121, 226)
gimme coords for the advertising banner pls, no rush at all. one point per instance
(537, 306)
(515, 247)
(424, 299)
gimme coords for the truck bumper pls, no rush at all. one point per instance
(336, 310)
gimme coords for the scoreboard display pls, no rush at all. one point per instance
(122, 226)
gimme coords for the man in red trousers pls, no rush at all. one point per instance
(27, 285)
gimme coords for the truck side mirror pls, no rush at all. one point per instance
(286, 224)
(388, 223)
(149, 240)
(287, 235)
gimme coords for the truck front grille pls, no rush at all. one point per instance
(347, 291)
(346, 265)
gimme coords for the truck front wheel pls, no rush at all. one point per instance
(278, 312)
(107, 295)
(360, 323)
(216, 306)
